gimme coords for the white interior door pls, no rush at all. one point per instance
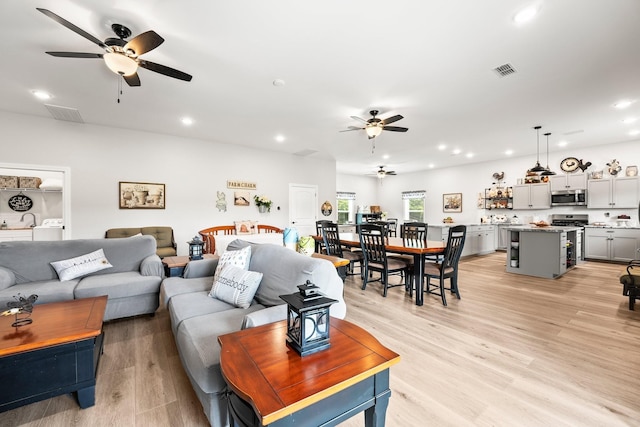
(303, 202)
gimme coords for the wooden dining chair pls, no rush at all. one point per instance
(447, 267)
(372, 242)
(331, 240)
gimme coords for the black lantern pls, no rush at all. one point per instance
(308, 319)
(196, 247)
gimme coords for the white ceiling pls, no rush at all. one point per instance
(430, 61)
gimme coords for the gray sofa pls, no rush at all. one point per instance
(132, 283)
(197, 319)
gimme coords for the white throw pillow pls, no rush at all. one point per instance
(236, 286)
(246, 227)
(238, 259)
(81, 266)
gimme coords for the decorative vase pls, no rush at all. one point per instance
(263, 209)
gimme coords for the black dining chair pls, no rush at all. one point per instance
(384, 225)
(393, 227)
(447, 267)
(372, 242)
(331, 239)
(319, 225)
(416, 231)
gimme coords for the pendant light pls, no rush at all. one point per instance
(537, 167)
(547, 171)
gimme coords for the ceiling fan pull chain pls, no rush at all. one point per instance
(119, 89)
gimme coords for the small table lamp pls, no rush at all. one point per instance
(308, 319)
(196, 248)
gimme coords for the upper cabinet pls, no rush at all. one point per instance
(568, 182)
(531, 196)
(616, 193)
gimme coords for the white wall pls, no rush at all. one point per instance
(192, 170)
(473, 179)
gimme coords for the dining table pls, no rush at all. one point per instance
(419, 249)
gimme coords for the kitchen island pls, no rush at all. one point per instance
(547, 252)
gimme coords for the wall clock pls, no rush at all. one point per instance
(570, 164)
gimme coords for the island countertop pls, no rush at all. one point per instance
(550, 229)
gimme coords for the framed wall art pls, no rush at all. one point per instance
(141, 195)
(241, 198)
(452, 202)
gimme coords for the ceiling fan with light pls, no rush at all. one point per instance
(374, 126)
(381, 173)
(121, 56)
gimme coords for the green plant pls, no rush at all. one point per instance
(262, 201)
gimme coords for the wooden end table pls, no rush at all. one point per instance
(174, 265)
(323, 388)
(56, 354)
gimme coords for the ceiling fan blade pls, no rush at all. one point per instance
(392, 119)
(144, 42)
(132, 80)
(395, 129)
(69, 25)
(359, 119)
(75, 54)
(163, 69)
(390, 172)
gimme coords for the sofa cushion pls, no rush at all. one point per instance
(117, 285)
(73, 268)
(47, 291)
(163, 235)
(197, 342)
(246, 227)
(172, 286)
(236, 286)
(7, 278)
(194, 304)
(239, 258)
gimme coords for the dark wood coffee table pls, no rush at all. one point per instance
(56, 354)
(330, 386)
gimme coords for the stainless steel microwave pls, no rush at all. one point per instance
(569, 198)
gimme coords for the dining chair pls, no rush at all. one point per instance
(331, 240)
(412, 231)
(319, 224)
(372, 242)
(447, 267)
(393, 226)
(384, 225)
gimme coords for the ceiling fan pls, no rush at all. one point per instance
(374, 126)
(381, 173)
(122, 56)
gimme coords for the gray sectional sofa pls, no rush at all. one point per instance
(198, 319)
(132, 283)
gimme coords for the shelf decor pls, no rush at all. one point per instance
(263, 203)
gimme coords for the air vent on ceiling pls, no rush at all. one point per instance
(64, 113)
(505, 70)
(304, 153)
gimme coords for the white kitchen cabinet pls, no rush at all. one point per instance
(617, 193)
(612, 244)
(531, 196)
(13, 235)
(568, 182)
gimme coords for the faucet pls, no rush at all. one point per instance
(29, 213)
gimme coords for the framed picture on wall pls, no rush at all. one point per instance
(141, 195)
(241, 198)
(452, 202)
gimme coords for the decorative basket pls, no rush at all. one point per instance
(29, 182)
(7, 181)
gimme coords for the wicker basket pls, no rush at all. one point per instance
(7, 181)
(29, 182)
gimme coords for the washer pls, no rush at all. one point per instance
(51, 229)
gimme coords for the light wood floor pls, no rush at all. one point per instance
(514, 351)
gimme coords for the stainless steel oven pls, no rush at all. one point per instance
(569, 198)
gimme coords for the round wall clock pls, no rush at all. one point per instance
(570, 164)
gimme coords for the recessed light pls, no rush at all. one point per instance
(634, 132)
(469, 155)
(442, 147)
(563, 143)
(456, 151)
(40, 94)
(431, 165)
(509, 152)
(526, 14)
(187, 121)
(279, 138)
(620, 105)
(629, 120)
(386, 156)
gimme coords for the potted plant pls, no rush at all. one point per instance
(263, 203)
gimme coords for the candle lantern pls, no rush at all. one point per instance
(196, 248)
(308, 319)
